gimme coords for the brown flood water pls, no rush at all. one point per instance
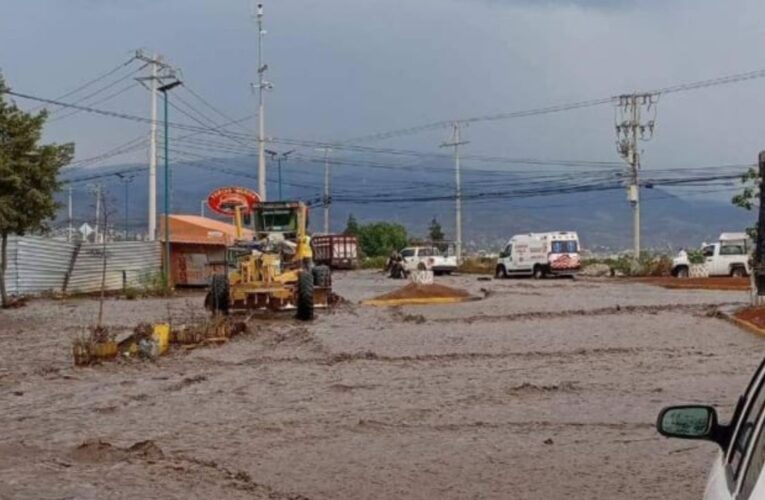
(542, 390)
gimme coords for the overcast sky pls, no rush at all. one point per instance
(343, 68)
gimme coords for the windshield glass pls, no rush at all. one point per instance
(564, 247)
(275, 221)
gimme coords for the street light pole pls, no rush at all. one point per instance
(279, 158)
(126, 180)
(165, 89)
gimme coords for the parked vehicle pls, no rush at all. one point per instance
(428, 258)
(728, 257)
(737, 471)
(540, 255)
(338, 251)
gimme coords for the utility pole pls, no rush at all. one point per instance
(263, 85)
(630, 128)
(327, 198)
(156, 64)
(97, 191)
(455, 143)
(69, 231)
(126, 179)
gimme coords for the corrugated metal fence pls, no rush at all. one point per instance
(37, 264)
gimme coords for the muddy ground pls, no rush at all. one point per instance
(542, 390)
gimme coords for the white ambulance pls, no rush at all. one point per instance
(540, 255)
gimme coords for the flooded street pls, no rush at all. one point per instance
(540, 390)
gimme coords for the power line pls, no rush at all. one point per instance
(723, 80)
(93, 81)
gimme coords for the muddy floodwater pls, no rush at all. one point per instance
(541, 390)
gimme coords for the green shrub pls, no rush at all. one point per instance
(478, 265)
(374, 262)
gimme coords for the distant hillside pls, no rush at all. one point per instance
(603, 219)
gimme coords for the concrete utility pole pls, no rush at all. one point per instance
(97, 192)
(629, 130)
(156, 64)
(69, 231)
(263, 85)
(327, 198)
(455, 143)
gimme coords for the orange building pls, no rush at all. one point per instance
(197, 247)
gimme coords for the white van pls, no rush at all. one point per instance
(540, 255)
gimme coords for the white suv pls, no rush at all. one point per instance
(736, 472)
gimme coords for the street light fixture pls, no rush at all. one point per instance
(279, 157)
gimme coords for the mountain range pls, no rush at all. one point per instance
(415, 195)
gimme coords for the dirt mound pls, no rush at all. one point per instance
(419, 291)
(721, 283)
(97, 451)
(753, 315)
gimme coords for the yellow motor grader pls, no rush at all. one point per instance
(273, 271)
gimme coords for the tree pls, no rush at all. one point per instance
(28, 176)
(352, 226)
(381, 238)
(749, 197)
(436, 234)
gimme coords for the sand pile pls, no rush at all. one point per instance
(419, 291)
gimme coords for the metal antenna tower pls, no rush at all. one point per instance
(262, 85)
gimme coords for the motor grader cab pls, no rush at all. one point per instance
(274, 270)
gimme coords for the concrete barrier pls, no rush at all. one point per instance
(698, 271)
(421, 277)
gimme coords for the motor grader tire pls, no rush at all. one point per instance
(217, 298)
(305, 297)
(322, 277)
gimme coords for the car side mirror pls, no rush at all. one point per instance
(689, 422)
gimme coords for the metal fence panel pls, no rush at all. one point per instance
(37, 264)
(128, 263)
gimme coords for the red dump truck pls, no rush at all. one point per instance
(337, 251)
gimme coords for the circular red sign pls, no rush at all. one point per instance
(225, 200)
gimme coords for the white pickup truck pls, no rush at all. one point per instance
(727, 257)
(428, 259)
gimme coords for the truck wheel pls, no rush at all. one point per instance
(217, 298)
(682, 272)
(500, 273)
(322, 277)
(305, 297)
(738, 272)
(539, 272)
